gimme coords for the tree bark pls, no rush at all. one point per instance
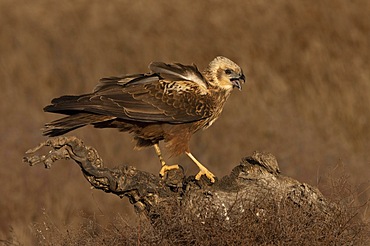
(252, 184)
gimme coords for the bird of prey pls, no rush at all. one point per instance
(170, 104)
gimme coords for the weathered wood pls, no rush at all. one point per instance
(256, 181)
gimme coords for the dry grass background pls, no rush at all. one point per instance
(307, 98)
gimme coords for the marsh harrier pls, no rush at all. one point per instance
(170, 103)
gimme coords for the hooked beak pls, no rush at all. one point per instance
(237, 81)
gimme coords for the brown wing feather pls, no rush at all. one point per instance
(179, 72)
(178, 102)
(145, 98)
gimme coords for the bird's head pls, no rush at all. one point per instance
(224, 73)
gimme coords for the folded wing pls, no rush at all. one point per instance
(173, 93)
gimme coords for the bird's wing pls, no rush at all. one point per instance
(178, 72)
(173, 94)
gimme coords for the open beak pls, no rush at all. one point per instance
(237, 81)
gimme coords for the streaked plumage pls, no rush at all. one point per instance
(170, 103)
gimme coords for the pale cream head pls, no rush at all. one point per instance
(224, 73)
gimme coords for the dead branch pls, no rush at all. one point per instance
(251, 184)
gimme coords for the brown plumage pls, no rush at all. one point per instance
(170, 103)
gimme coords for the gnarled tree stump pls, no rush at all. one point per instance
(255, 182)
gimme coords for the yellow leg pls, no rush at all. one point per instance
(202, 169)
(165, 167)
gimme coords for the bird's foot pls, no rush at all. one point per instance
(205, 171)
(165, 168)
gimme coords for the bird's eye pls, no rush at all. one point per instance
(228, 71)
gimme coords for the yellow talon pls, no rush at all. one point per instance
(202, 169)
(165, 168)
(208, 174)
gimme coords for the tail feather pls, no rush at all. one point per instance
(72, 122)
(65, 105)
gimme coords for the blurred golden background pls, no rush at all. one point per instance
(306, 100)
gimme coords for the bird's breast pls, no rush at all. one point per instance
(219, 100)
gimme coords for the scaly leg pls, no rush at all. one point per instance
(165, 167)
(202, 169)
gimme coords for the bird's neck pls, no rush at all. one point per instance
(220, 93)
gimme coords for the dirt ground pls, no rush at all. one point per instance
(306, 99)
